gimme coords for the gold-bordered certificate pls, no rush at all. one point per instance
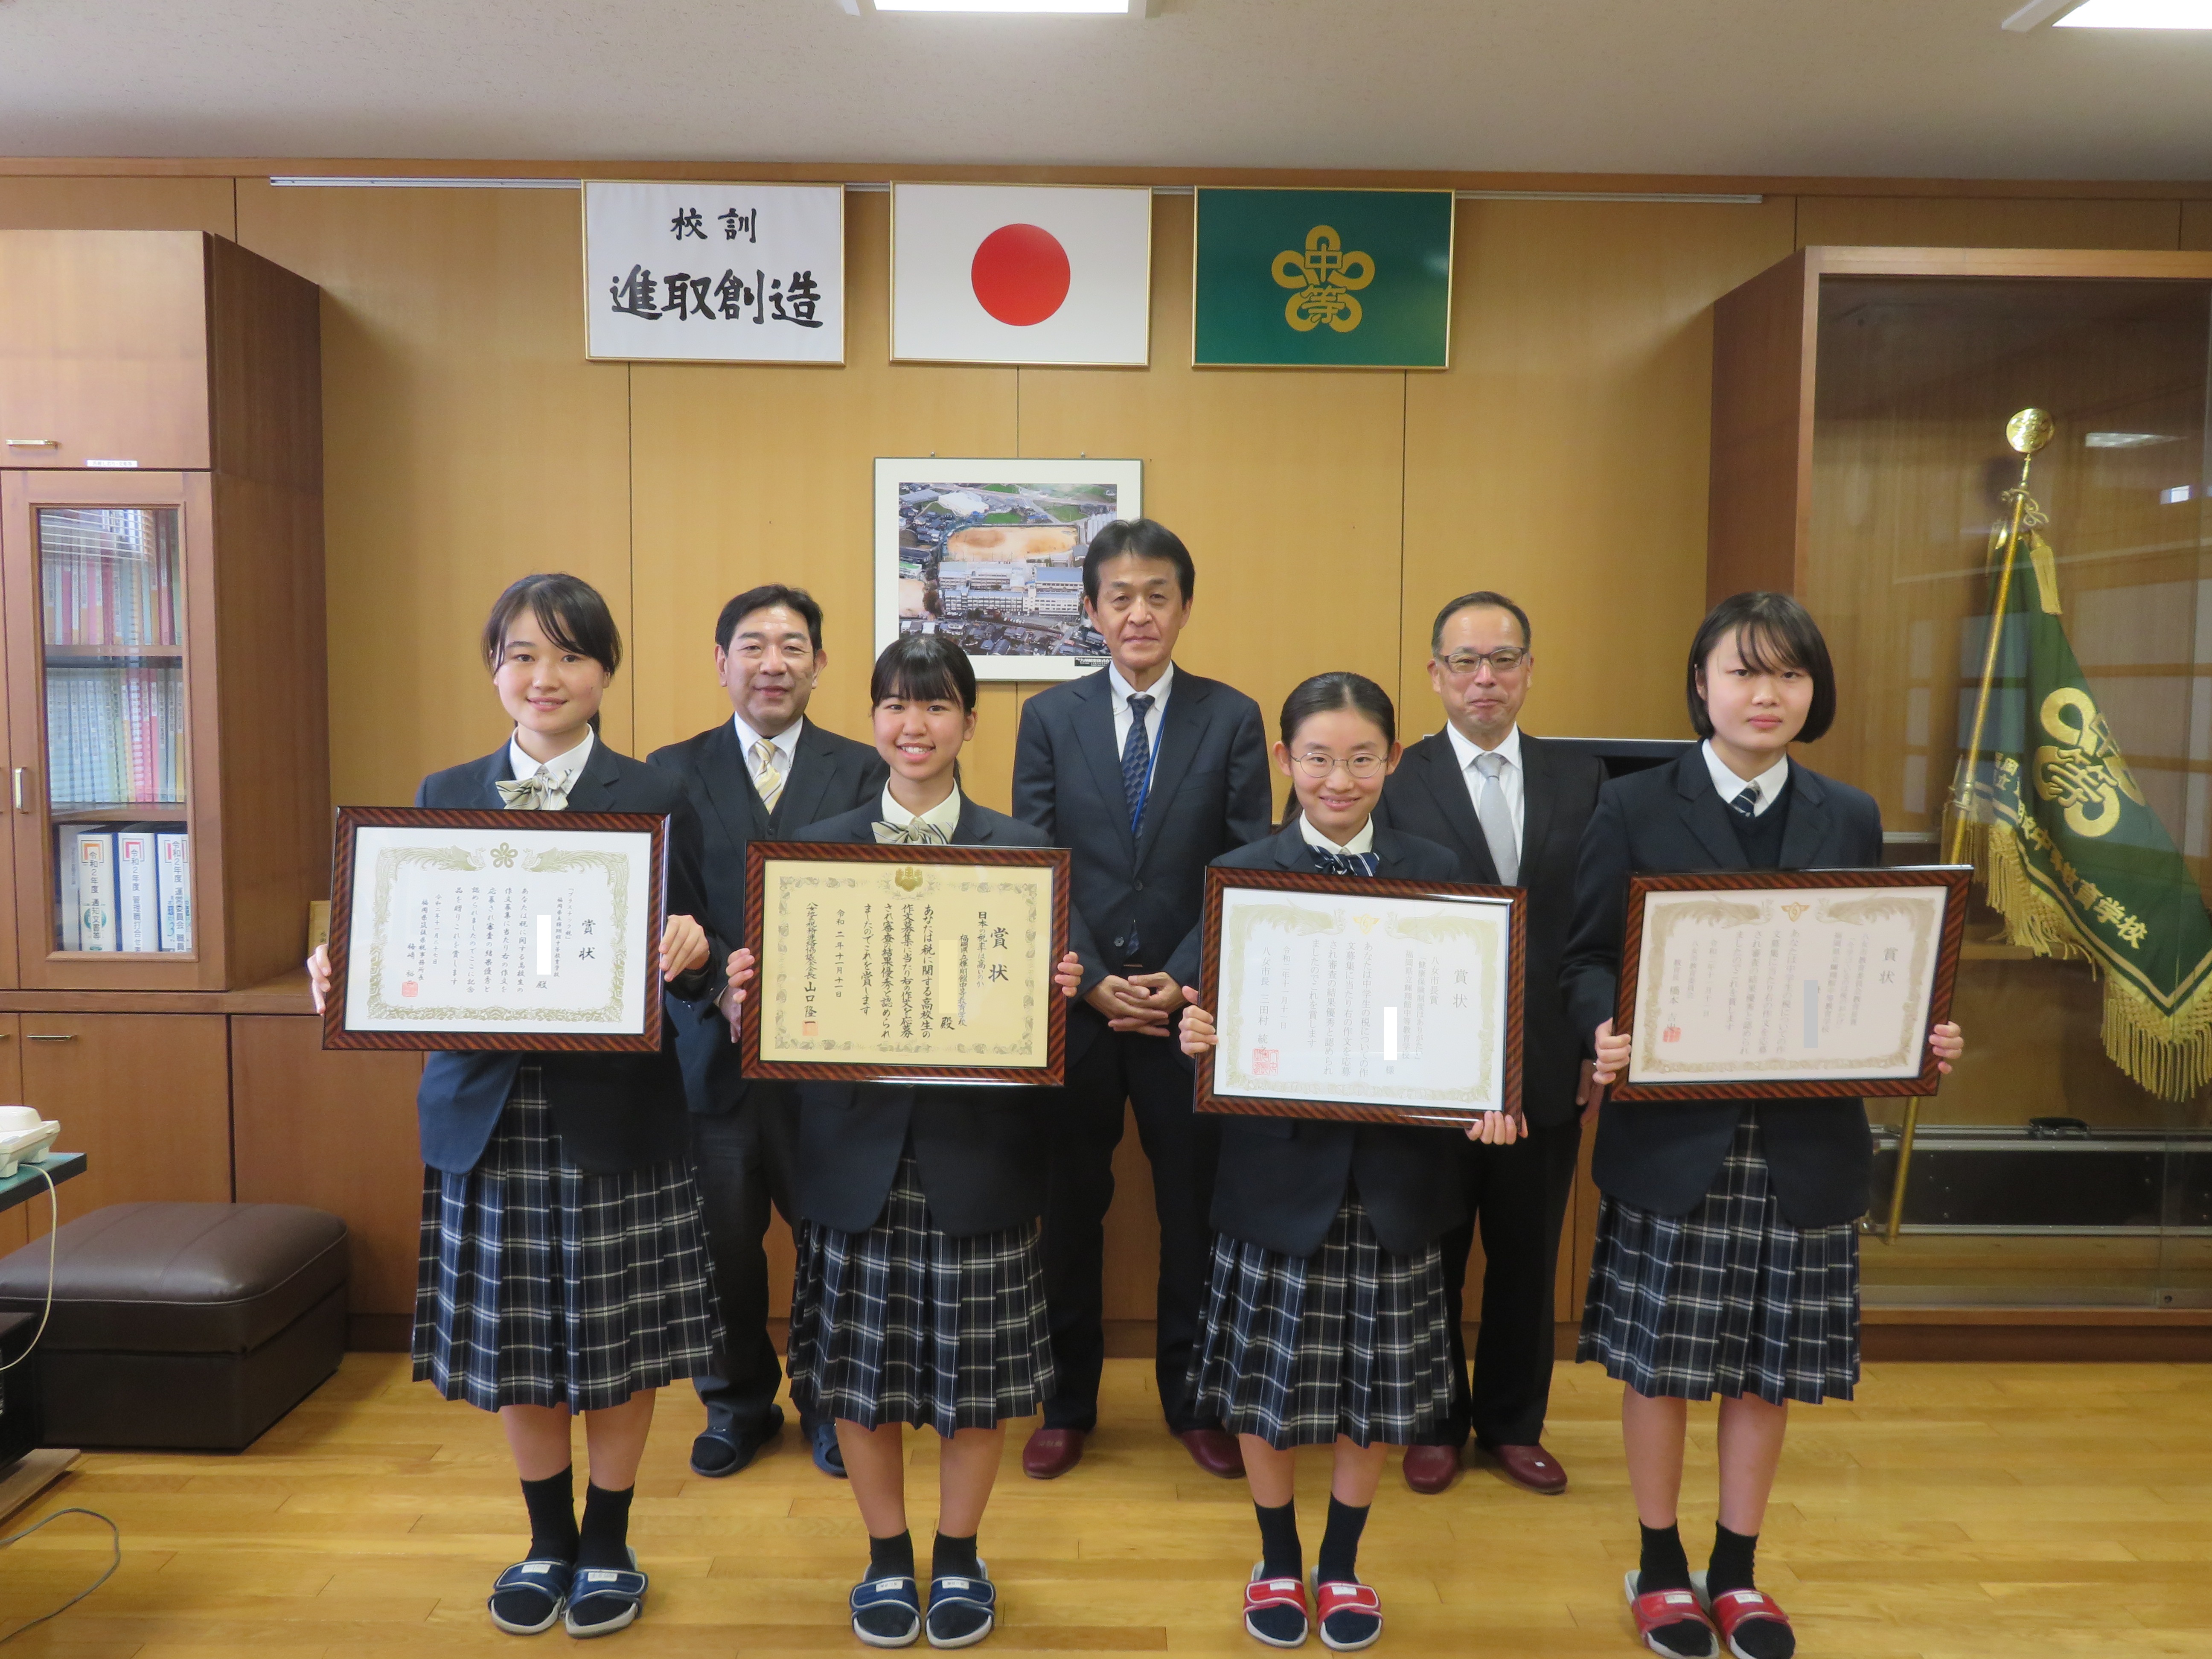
(904, 962)
(1344, 997)
(1790, 983)
(495, 930)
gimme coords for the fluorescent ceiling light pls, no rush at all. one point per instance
(2138, 15)
(1107, 8)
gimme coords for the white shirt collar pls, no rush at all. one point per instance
(944, 815)
(786, 741)
(1465, 749)
(1362, 842)
(1768, 783)
(561, 772)
(1158, 690)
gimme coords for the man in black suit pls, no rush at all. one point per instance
(1512, 807)
(1146, 772)
(766, 772)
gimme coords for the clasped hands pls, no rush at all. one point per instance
(683, 948)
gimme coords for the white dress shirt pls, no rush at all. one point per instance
(1768, 783)
(784, 747)
(1512, 781)
(561, 772)
(944, 815)
(1157, 691)
(1362, 842)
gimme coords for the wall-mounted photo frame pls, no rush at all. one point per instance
(990, 553)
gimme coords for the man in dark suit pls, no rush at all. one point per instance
(1512, 808)
(766, 772)
(1146, 772)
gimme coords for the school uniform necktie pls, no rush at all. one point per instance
(766, 778)
(1341, 864)
(1746, 806)
(535, 794)
(916, 834)
(1497, 818)
(1137, 761)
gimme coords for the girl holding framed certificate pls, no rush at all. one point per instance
(563, 1264)
(1727, 1257)
(919, 1299)
(1324, 1320)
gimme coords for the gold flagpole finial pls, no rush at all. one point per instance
(2029, 430)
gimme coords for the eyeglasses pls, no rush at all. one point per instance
(1504, 660)
(1317, 764)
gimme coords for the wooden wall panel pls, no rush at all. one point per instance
(1285, 485)
(1939, 221)
(2196, 224)
(15, 1224)
(466, 443)
(1562, 459)
(746, 475)
(119, 203)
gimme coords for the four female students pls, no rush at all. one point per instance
(1324, 1320)
(563, 1267)
(1727, 1258)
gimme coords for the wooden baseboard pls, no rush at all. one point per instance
(376, 1333)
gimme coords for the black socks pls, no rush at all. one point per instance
(552, 1505)
(1281, 1556)
(955, 1620)
(1339, 1543)
(954, 1558)
(1731, 1568)
(604, 1539)
(1664, 1565)
(891, 1557)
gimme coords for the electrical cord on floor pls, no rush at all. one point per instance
(53, 1251)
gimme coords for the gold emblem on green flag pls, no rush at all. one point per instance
(1324, 277)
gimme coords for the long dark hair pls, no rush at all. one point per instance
(1773, 631)
(921, 668)
(1326, 693)
(575, 618)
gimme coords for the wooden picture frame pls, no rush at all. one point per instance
(906, 858)
(642, 935)
(1943, 975)
(1513, 998)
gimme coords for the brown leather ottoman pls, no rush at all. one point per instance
(180, 1326)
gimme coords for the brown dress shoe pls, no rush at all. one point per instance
(1214, 1451)
(1429, 1469)
(1052, 1453)
(1531, 1466)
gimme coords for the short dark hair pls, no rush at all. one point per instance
(1773, 631)
(763, 597)
(1140, 538)
(921, 667)
(1469, 602)
(1326, 693)
(573, 613)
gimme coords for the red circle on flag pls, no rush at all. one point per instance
(1020, 274)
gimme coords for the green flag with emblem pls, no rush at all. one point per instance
(2075, 859)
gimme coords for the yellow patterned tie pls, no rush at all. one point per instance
(916, 834)
(534, 793)
(766, 778)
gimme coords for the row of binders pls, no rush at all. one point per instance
(116, 734)
(126, 890)
(110, 576)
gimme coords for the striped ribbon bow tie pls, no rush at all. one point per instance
(1337, 864)
(535, 794)
(916, 834)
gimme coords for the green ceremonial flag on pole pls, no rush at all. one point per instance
(2074, 858)
(1322, 279)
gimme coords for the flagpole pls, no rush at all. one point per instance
(2026, 432)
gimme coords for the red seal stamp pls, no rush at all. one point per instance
(408, 988)
(1672, 1034)
(1266, 1062)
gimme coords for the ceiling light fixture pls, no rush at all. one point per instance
(2112, 15)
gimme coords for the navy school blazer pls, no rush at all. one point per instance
(977, 1147)
(1282, 1179)
(614, 1112)
(1661, 1155)
(829, 774)
(1138, 895)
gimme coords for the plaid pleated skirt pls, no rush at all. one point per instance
(542, 1285)
(904, 1323)
(1728, 1299)
(1353, 1341)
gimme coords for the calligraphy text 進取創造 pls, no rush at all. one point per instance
(704, 297)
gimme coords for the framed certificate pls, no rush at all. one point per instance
(1779, 984)
(905, 963)
(1343, 997)
(495, 930)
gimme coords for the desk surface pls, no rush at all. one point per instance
(24, 1185)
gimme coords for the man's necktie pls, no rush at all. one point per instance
(1137, 761)
(916, 834)
(1746, 806)
(766, 778)
(535, 794)
(1341, 864)
(1497, 818)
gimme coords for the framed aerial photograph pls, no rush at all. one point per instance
(990, 553)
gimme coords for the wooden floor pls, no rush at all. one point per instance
(1963, 1511)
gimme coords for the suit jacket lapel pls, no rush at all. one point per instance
(1447, 785)
(594, 788)
(1390, 859)
(1180, 723)
(492, 771)
(801, 803)
(1535, 799)
(1806, 832)
(1094, 735)
(1289, 847)
(973, 829)
(1705, 813)
(728, 784)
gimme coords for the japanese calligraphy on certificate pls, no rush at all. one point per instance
(1792, 981)
(1338, 997)
(715, 273)
(905, 962)
(495, 930)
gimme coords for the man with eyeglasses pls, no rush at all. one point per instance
(1512, 807)
(764, 771)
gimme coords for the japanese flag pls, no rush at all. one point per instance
(1021, 274)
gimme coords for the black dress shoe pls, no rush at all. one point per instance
(719, 1452)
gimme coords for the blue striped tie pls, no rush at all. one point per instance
(1137, 761)
(1746, 804)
